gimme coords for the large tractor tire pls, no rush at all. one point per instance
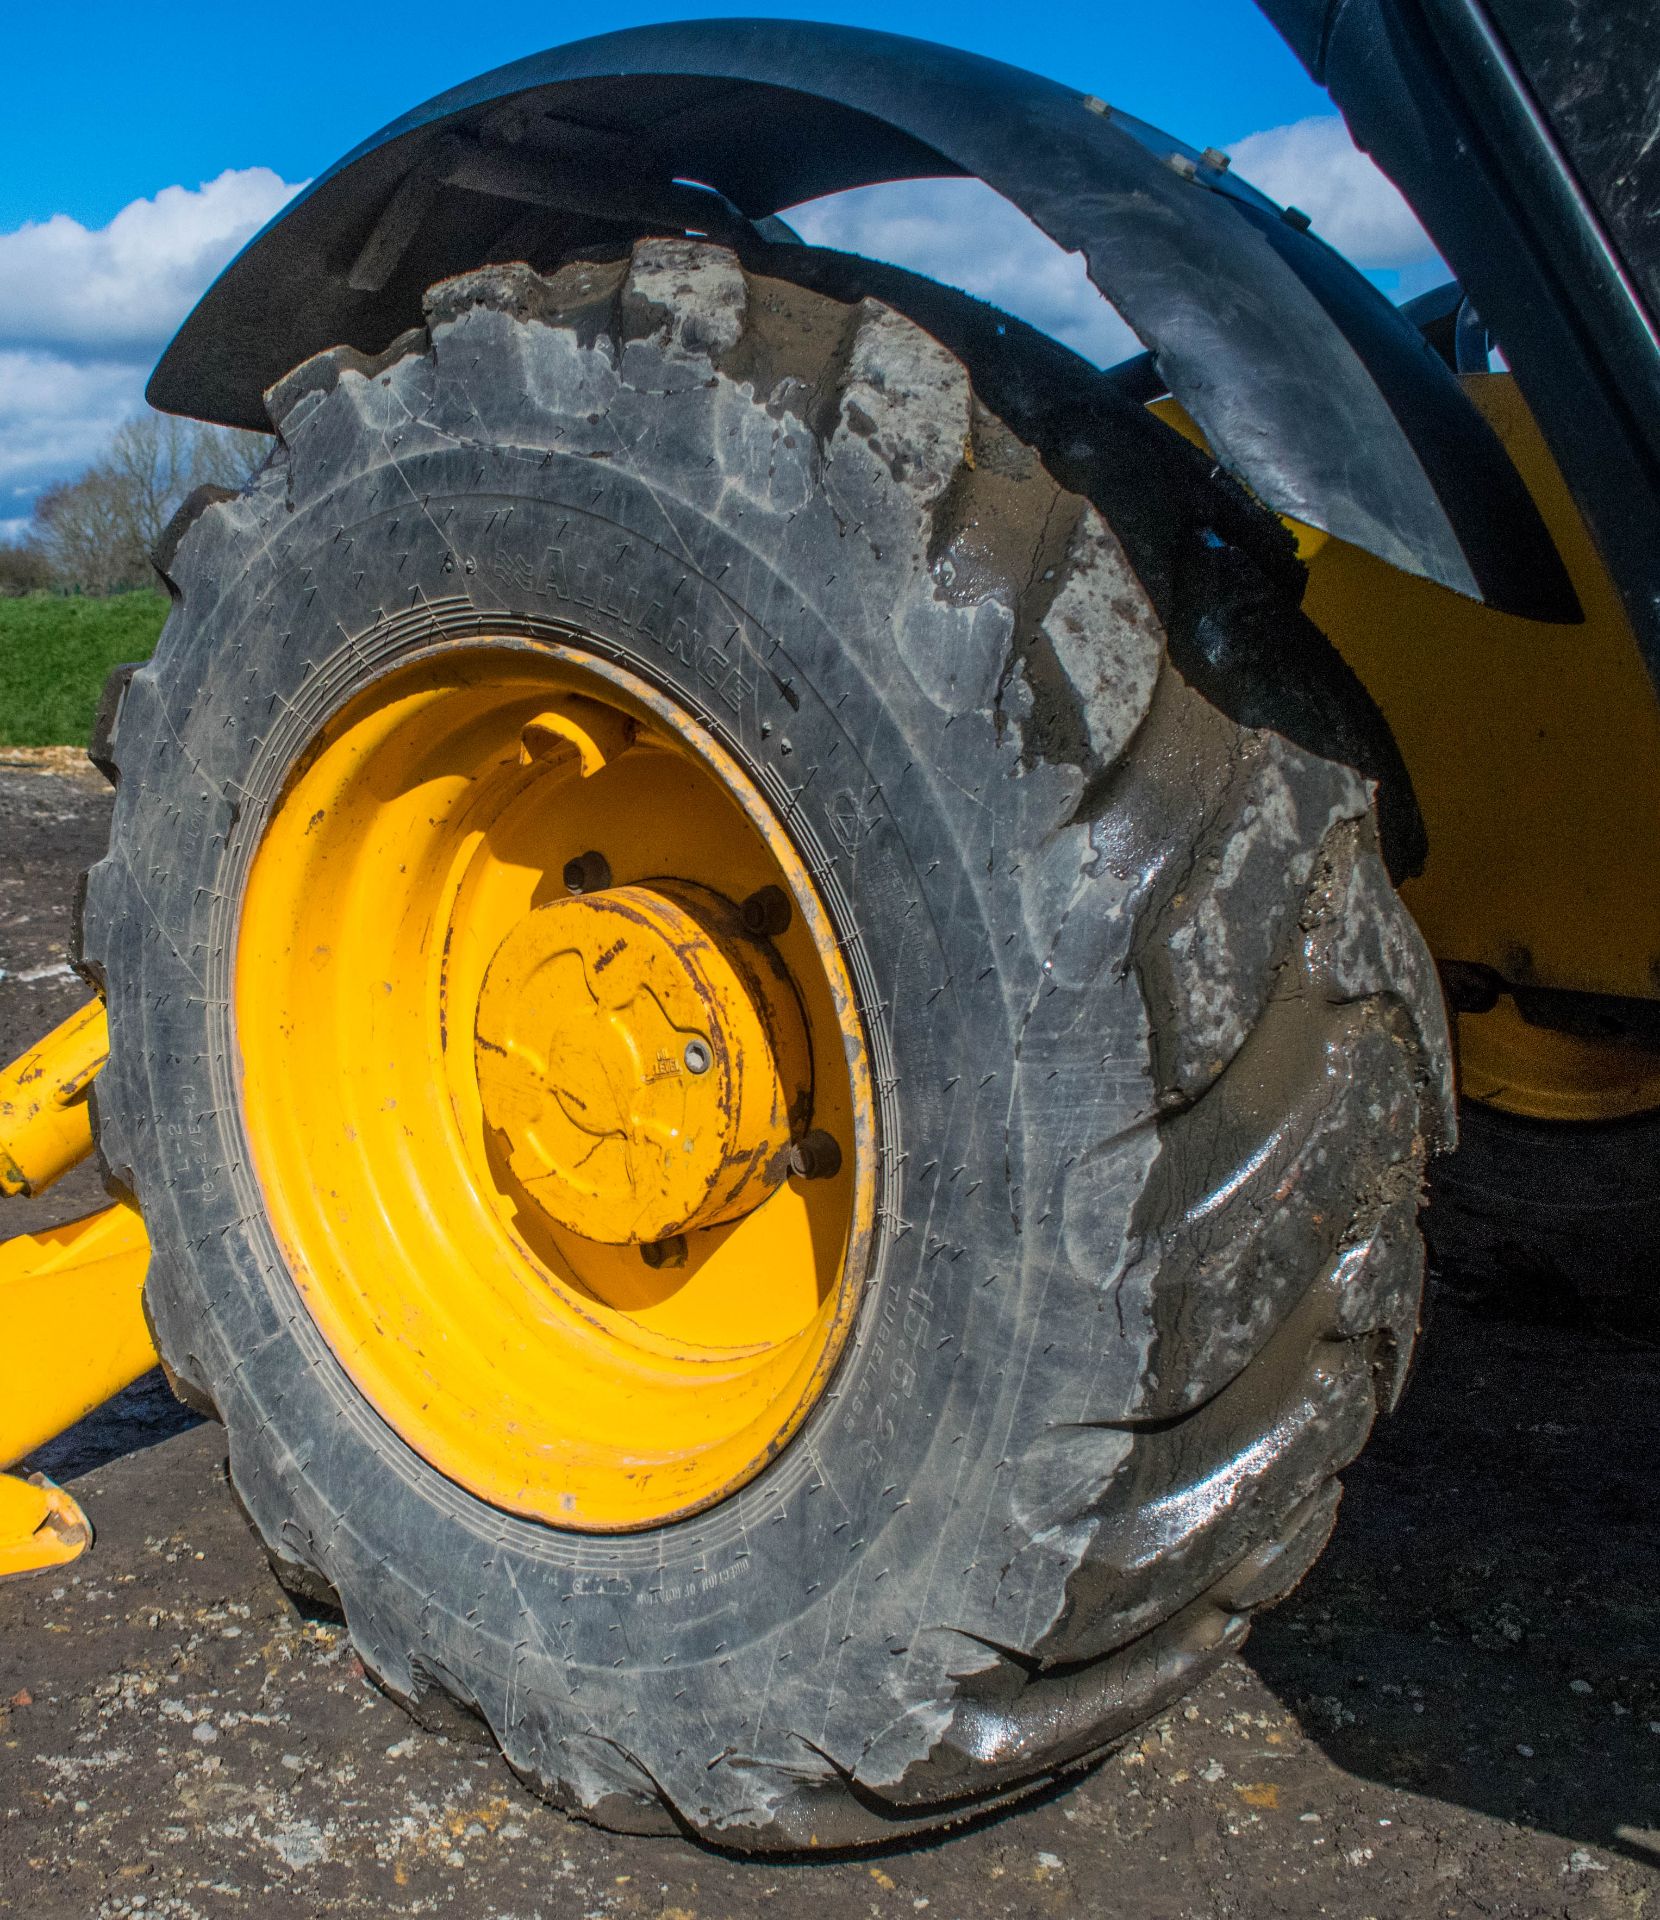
(1077, 1065)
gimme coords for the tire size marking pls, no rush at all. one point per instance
(190, 1137)
(871, 1409)
(692, 1586)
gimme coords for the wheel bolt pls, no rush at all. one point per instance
(815, 1156)
(587, 873)
(766, 913)
(1470, 988)
(664, 1253)
(698, 1056)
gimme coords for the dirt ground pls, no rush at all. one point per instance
(1458, 1714)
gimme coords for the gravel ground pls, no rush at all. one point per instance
(1457, 1714)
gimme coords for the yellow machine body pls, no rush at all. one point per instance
(1534, 749)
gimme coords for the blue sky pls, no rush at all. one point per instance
(142, 144)
(111, 101)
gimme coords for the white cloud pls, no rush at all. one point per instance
(125, 287)
(85, 313)
(963, 233)
(1313, 164)
(57, 416)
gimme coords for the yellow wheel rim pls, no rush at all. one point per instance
(1542, 1074)
(554, 1083)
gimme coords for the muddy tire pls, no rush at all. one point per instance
(1160, 1054)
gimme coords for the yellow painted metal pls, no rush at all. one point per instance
(75, 1333)
(641, 1066)
(1548, 1075)
(1535, 752)
(41, 1526)
(70, 1302)
(592, 731)
(45, 1127)
(406, 901)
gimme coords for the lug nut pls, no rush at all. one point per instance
(698, 1056)
(766, 913)
(664, 1253)
(1470, 988)
(815, 1156)
(587, 873)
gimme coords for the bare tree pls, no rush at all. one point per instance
(24, 568)
(226, 456)
(99, 531)
(84, 530)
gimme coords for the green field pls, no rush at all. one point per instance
(55, 655)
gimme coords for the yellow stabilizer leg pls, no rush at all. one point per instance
(74, 1333)
(44, 1123)
(40, 1526)
(72, 1328)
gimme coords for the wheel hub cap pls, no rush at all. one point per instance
(641, 1062)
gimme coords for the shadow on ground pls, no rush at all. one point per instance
(1485, 1626)
(142, 1416)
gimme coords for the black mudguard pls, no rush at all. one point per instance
(1304, 379)
(1523, 132)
